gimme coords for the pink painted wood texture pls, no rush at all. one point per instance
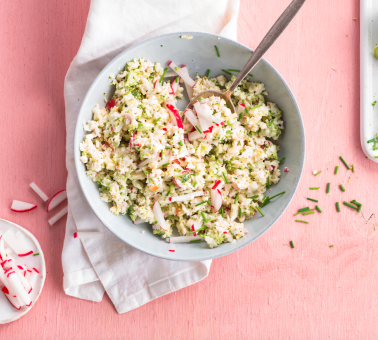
(266, 290)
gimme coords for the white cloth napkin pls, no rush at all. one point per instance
(131, 278)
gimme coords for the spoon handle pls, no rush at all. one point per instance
(269, 39)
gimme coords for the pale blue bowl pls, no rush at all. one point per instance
(199, 54)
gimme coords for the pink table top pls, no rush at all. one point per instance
(266, 290)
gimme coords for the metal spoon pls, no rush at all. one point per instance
(273, 34)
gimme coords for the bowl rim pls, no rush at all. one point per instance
(78, 128)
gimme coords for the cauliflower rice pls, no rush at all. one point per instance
(136, 126)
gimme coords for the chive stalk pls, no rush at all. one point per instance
(318, 209)
(309, 213)
(236, 198)
(193, 241)
(341, 187)
(227, 72)
(304, 209)
(204, 217)
(225, 178)
(207, 73)
(291, 244)
(337, 206)
(253, 197)
(203, 202)
(259, 210)
(216, 48)
(311, 199)
(350, 205)
(345, 163)
(318, 173)
(162, 76)
(301, 221)
(281, 160)
(328, 188)
(336, 170)
(315, 188)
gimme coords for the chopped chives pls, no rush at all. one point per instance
(304, 209)
(162, 76)
(225, 178)
(331, 246)
(192, 241)
(336, 170)
(301, 221)
(180, 143)
(341, 187)
(195, 231)
(311, 199)
(281, 160)
(328, 187)
(240, 116)
(229, 132)
(337, 206)
(315, 188)
(165, 164)
(350, 205)
(268, 182)
(291, 244)
(204, 217)
(371, 140)
(281, 193)
(259, 210)
(216, 48)
(168, 147)
(169, 191)
(203, 202)
(238, 71)
(253, 197)
(227, 72)
(161, 154)
(171, 216)
(296, 214)
(207, 73)
(254, 107)
(129, 91)
(36, 254)
(345, 163)
(353, 168)
(239, 214)
(198, 129)
(222, 212)
(318, 173)
(318, 209)
(156, 120)
(236, 198)
(359, 208)
(375, 156)
(308, 213)
(355, 202)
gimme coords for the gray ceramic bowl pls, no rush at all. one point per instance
(199, 54)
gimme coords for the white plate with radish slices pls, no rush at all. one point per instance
(22, 271)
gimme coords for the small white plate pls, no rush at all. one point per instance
(7, 312)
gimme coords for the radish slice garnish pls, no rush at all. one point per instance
(194, 135)
(185, 197)
(147, 161)
(175, 116)
(38, 191)
(58, 198)
(12, 300)
(175, 84)
(32, 277)
(182, 72)
(20, 274)
(20, 206)
(139, 220)
(58, 216)
(206, 113)
(204, 122)
(183, 239)
(191, 117)
(18, 245)
(2, 251)
(159, 215)
(88, 234)
(240, 108)
(195, 226)
(18, 288)
(177, 183)
(216, 199)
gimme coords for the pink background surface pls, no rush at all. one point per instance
(266, 290)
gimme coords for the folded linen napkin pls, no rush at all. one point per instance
(130, 277)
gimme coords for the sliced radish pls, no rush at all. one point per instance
(182, 72)
(20, 274)
(195, 226)
(88, 234)
(58, 198)
(186, 197)
(194, 135)
(139, 220)
(38, 191)
(189, 114)
(177, 183)
(147, 161)
(18, 245)
(18, 288)
(204, 122)
(28, 275)
(2, 251)
(58, 216)
(12, 300)
(216, 184)
(175, 116)
(235, 186)
(183, 239)
(240, 108)
(32, 277)
(159, 215)
(175, 84)
(20, 206)
(216, 199)
(206, 113)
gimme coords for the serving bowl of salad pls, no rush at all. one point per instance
(188, 184)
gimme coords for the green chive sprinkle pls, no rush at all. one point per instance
(229, 132)
(328, 187)
(371, 140)
(203, 202)
(281, 160)
(225, 178)
(168, 147)
(238, 71)
(315, 188)
(301, 221)
(129, 91)
(161, 154)
(281, 193)
(268, 182)
(375, 156)
(239, 214)
(337, 206)
(227, 72)
(318, 209)
(336, 170)
(304, 209)
(240, 116)
(207, 73)
(318, 173)
(169, 191)
(296, 214)
(254, 107)
(341, 187)
(195, 231)
(156, 120)
(353, 168)
(309, 213)
(311, 199)
(331, 246)
(350, 205)
(259, 210)
(236, 198)
(165, 164)
(36, 254)
(216, 48)
(180, 143)
(359, 208)
(198, 129)
(162, 76)
(355, 202)
(253, 197)
(204, 217)
(291, 244)
(171, 216)
(222, 212)
(193, 241)
(345, 163)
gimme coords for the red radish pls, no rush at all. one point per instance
(177, 161)
(191, 117)
(89, 234)
(186, 197)
(18, 288)
(12, 300)
(18, 245)
(24, 282)
(139, 220)
(196, 225)
(240, 108)
(235, 186)
(34, 274)
(183, 239)
(58, 216)
(175, 84)
(286, 169)
(111, 103)
(39, 192)
(177, 183)
(27, 275)
(159, 215)
(5, 290)
(20, 206)
(182, 72)
(206, 113)
(75, 235)
(216, 199)
(204, 123)
(58, 198)
(194, 135)
(147, 161)
(216, 184)
(175, 116)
